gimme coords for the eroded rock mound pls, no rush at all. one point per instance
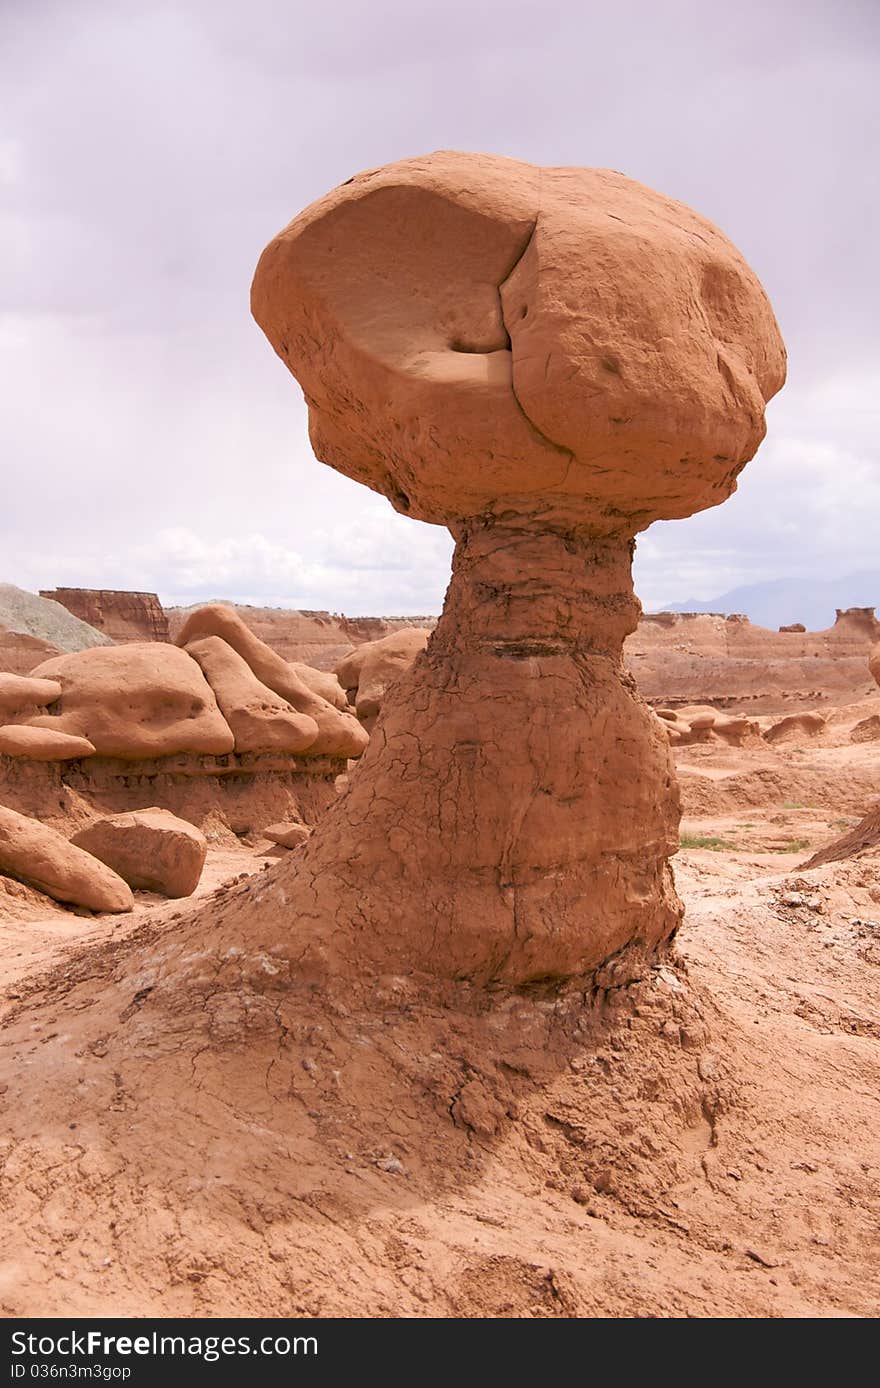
(149, 849)
(43, 858)
(134, 701)
(796, 726)
(366, 672)
(22, 694)
(863, 837)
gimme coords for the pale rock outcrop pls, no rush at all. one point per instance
(366, 672)
(42, 744)
(43, 858)
(143, 699)
(149, 849)
(259, 719)
(545, 361)
(339, 733)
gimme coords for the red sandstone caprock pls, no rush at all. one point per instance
(545, 361)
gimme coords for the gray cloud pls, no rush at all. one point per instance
(148, 151)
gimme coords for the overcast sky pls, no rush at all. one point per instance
(150, 438)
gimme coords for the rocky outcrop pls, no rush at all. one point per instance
(36, 854)
(259, 719)
(20, 695)
(862, 838)
(149, 849)
(238, 793)
(680, 658)
(796, 726)
(319, 638)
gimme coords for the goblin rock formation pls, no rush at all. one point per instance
(546, 361)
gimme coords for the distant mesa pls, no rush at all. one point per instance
(119, 614)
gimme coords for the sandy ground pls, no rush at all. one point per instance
(705, 1142)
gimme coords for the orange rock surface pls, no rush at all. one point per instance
(368, 670)
(150, 849)
(259, 719)
(138, 700)
(42, 744)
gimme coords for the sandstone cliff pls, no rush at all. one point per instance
(123, 616)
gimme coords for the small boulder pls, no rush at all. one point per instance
(43, 858)
(151, 849)
(42, 744)
(287, 835)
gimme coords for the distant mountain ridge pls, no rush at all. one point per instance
(812, 601)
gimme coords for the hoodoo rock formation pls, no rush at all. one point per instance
(546, 361)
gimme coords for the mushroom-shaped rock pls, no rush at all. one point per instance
(43, 858)
(368, 670)
(339, 733)
(24, 694)
(150, 849)
(143, 699)
(259, 719)
(42, 744)
(545, 361)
